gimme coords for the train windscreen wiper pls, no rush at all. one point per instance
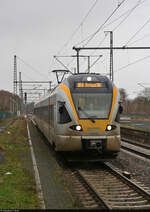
(87, 115)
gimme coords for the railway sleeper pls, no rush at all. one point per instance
(129, 193)
(112, 198)
(136, 207)
(130, 203)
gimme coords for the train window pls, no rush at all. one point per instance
(120, 109)
(96, 105)
(63, 115)
(45, 114)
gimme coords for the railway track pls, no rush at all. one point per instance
(136, 141)
(102, 187)
(141, 136)
(145, 146)
(111, 190)
(136, 149)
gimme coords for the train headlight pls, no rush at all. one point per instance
(89, 78)
(76, 127)
(110, 127)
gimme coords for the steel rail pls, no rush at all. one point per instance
(90, 187)
(129, 182)
(142, 154)
(108, 193)
(145, 146)
(140, 134)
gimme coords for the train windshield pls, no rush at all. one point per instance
(93, 105)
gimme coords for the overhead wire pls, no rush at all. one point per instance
(141, 59)
(134, 62)
(78, 27)
(25, 74)
(93, 63)
(31, 67)
(138, 31)
(76, 30)
(99, 44)
(100, 27)
(129, 13)
(93, 35)
(89, 38)
(147, 35)
(51, 64)
(116, 19)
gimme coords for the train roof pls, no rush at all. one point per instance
(86, 80)
(81, 77)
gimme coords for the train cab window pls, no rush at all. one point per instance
(97, 105)
(63, 115)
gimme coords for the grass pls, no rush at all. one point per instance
(17, 189)
(5, 121)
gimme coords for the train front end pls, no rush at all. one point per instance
(92, 103)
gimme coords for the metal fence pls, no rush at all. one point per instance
(136, 114)
(4, 115)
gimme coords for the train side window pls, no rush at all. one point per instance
(120, 110)
(63, 115)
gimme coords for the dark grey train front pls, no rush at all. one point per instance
(81, 114)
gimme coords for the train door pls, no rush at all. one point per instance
(62, 117)
(59, 111)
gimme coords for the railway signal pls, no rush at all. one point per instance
(25, 97)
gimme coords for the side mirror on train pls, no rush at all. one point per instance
(120, 109)
(61, 107)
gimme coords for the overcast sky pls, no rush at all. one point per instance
(36, 30)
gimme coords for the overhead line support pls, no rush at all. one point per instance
(35, 81)
(56, 57)
(33, 89)
(108, 48)
(87, 56)
(78, 49)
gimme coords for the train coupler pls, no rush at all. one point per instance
(93, 145)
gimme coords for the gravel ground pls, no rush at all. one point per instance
(139, 169)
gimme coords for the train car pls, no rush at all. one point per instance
(82, 115)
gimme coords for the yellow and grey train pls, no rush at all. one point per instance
(82, 115)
